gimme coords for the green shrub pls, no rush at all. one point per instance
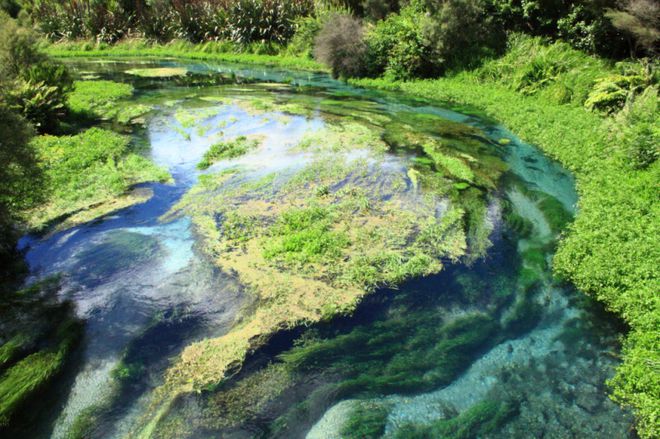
(398, 47)
(460, 33)
(32, 84)
(306, 30)
(555, 71)
(21, 186)
(637, 128)
(610, 93)
(39, 103)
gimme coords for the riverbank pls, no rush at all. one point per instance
(608, 252)
(180, 49)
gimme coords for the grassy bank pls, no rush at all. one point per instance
(210, 51)
(610, 252)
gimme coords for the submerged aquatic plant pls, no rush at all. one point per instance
(484, 418)
(227, 150)
(366, 421)
(35, 353)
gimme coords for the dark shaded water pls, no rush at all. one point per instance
(433, 350)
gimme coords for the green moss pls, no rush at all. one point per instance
(227, 150)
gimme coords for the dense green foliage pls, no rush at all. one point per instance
(452, 29)
(30, 83)
(340, 44)
(32, 93)
(19, 175)
(242, 21)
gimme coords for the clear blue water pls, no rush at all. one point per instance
(145, 291)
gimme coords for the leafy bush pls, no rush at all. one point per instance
(341, 46)
(302, 42)
(398, 47)
(588, 29)
(640, 19)
(308, 27)
(583, 25)
(21, 186)
(460, 33)
(611, 92)
(637, 128)
(379, 9)
(31, 83)
(38, 102)
(556, 71)
(11, 7)
(102, 20)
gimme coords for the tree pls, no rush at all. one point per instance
(641, 20)
(20, 181)
(341, 45)
(460, 32)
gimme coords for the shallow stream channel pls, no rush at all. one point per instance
(327, 262)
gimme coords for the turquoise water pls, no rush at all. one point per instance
(489, 348)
